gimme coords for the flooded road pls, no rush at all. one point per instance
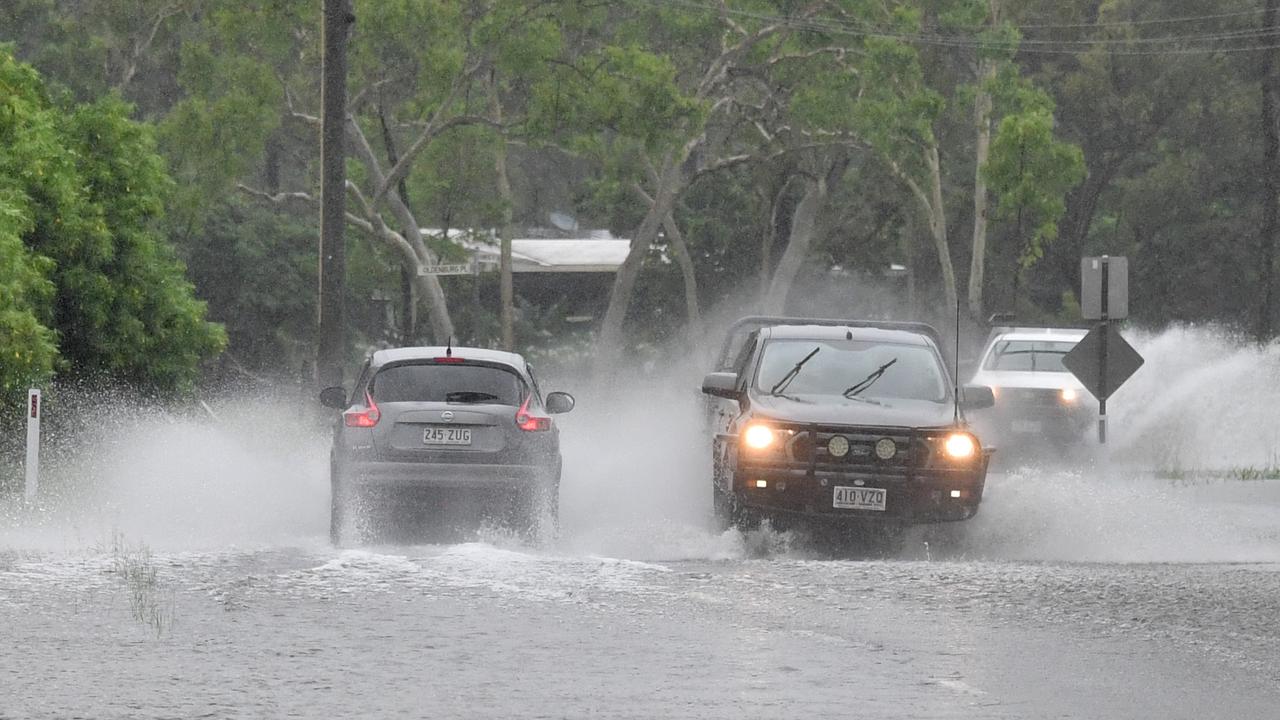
(181, 569)
(483, 630)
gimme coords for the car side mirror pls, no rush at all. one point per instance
(721, 384)
(559, 402)
(334, 397)
(976, 397)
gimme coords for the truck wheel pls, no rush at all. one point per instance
(722, 504)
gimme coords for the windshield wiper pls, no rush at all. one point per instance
(792, 373)
(869, 380)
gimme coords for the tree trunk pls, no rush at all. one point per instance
(938, 227)
(1271, 166)
(428, 285)
(505, 232)
(768, 238)
(804, 223)
(609, 342)
(408, 293)
(408, 306)
(685, 261)
(982, 120)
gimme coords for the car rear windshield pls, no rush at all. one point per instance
(1028, 355)
(842, 364)
(447, 383)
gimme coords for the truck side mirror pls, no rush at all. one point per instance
(976, 397)
(721, 384)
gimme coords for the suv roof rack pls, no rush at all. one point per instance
(756, 322)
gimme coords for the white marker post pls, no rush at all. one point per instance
(33, 443)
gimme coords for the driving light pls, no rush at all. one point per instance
(838, 446)
(758, 437)
(762, 483)
(1069, 395)
(960, 446)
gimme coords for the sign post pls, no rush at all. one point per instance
(33, 443)
(1102, 360)
(1102, 354)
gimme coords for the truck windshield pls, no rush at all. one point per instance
(840, 364)
(1028, 356)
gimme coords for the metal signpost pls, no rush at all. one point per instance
(33, 443)
(1102, 360)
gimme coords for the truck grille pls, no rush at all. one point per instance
(811, 444)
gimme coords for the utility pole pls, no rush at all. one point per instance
(330, 349)
(1270, 186)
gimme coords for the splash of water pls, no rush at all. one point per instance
(637, 468)
(248, 473)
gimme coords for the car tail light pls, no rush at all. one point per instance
(366, 418)
(529, 422)
(450, 360)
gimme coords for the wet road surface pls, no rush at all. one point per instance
(498, 630)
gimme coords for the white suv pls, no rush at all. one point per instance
(1036, 397)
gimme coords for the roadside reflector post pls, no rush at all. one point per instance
(34, 410)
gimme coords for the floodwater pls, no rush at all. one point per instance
(180, 568)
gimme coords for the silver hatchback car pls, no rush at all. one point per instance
(424, 425)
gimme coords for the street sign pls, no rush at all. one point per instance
(1104, 288)
(466, 268)
(1102, 374)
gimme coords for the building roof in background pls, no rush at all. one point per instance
(568, 255)
(600, 252)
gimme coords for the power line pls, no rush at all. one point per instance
(1211, 43)
(1157, 21)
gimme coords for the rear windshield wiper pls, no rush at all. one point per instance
(792, 373)
(869, 380)
(469, 396)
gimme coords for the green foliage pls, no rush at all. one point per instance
(1171, 142)
(1031, 171)
(90, 286)
(257, 268)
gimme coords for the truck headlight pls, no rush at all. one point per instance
(1069, 395)
(960, 446)
(758, 437)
